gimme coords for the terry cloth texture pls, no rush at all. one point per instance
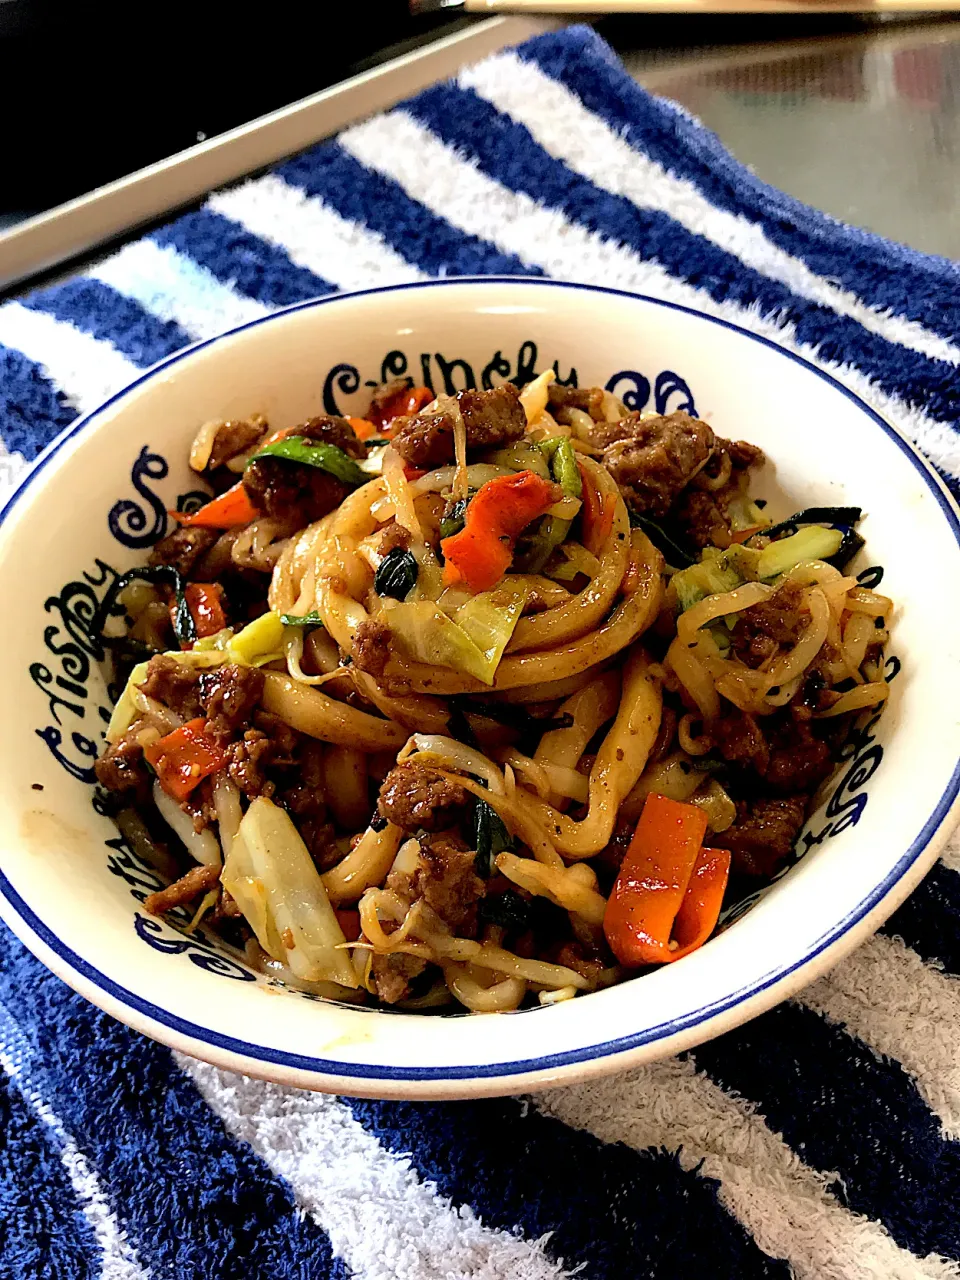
(823, 1139)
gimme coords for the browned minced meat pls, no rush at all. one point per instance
(236, 436)
(571, 956)
(298, 493)
(393, 536)
(701, 516)
(739, 739)
(743, 455)
(782, 749)
(446, 881)
(230, 694)
(491, 418)
(291, 491)
(174, 684)
(392, 975)
(226, 696)
(763, 628)
(445, 878)
(122, 767)
(702, 519)
(588, 399)
(371, 646)
(304, 800)
(417, 795)
(183, 548)
(652, 459)
(269, 744)
(197, 881)
(763, 835)
(329, 429)
(799, 760)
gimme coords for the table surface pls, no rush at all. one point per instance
(857, 116)
(864, 124)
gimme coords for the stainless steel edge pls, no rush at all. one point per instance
(80, 225)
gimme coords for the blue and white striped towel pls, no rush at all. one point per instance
(822, 1140)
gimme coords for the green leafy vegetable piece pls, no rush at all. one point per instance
(674, 551)
(489, 837)
(310, 453)
(397, 574)
(507, 909)
(454, 518)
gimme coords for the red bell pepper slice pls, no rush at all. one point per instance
(653, 880)
(363, 428)
(205, 602)
(480, 554)
(223, 512)
(184, 758)
(402, 404)
(700, 909)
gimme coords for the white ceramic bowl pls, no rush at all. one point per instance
(96, 500)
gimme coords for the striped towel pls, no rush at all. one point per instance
(823, 1139)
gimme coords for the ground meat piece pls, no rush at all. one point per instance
(393, 536)
(296, 493)
(701, 520)
(446, 879)
(763, 628)
(417, 795)
(230, 694)
(587, 399)
(371, 646)
(653, 458)
(740, 740)
(392, 975)
(236, 436)
(270, 744)
(183, 548)
(763, 835)
(174, 684)
(425, 441)
(332, 430)
(491, 418)
(197, 881)
(799, 760)
(742, 454)
(291, 491)
(571, 956)
(304, 799)
(122, 768)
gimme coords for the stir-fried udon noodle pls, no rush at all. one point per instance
(489, 699)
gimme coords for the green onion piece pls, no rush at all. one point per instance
(564, 469)
(326, 457)
(301, 619)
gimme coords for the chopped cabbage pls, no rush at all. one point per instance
(273, 880)
(812, 543)
(259, 642)
(472, 641)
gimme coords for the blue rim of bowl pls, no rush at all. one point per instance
(590, 1053)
